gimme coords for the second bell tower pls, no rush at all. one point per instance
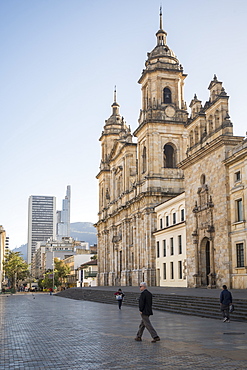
(161, 134)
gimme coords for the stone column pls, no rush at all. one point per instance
(197, 277)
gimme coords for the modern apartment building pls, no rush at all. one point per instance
(46, 251)
(41, 221)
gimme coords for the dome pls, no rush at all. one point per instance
(161, 51)
(162, 56)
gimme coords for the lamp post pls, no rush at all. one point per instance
(52, 250)
(53, 269)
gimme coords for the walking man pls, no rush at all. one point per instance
(225, 302)
(145, 308)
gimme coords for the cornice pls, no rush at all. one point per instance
(100, 172)
(161, 69)
(135, 200)
(209, 148)
(164, 122)
(177, 225)
(242, 153)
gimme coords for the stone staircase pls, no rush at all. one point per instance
(182, 304)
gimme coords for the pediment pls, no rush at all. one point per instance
(117, 148)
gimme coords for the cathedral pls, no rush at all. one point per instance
(174, 152)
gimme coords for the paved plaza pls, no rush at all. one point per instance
(39, 331)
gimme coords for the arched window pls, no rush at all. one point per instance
(167, 95)
(144, 160)
(169, 156)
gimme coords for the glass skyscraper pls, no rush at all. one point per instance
(63, 217)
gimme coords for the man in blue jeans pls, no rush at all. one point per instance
(145, 308)
(225, 302)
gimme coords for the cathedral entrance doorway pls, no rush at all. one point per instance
(205, 261)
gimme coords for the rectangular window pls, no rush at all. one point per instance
(164, 248)
(172, 247)
(164, 271)
(239, 210)
(172, 271)
(167, 221)
(237, 176)
(158, 249)
(179, 244)
(182, 214)
(180, 270)
(240, 254)
(174, 218)
(161, 223)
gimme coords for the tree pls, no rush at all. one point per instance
(15, 268)
(61, 270)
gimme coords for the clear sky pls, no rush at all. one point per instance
(60, 60)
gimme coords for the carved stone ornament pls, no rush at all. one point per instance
(170, 111)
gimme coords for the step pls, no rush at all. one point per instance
(197, 306)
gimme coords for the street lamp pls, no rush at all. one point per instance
(53, 269)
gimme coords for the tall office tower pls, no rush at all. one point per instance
(4, 244)
(41, 221)
(63, 217)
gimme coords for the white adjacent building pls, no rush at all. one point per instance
(170, 239)
(41, 221)
(87, 274)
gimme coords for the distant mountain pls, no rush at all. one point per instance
(82, 231)
(23, 251)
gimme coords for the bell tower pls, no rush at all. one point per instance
(162, 84)
(161, 133)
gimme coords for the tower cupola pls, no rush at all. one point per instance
(162, 83)
(115, 105)
(161, 34)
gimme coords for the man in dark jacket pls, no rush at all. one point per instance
(145, 308)
(225, 302)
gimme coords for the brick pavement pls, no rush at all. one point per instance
(49, 332)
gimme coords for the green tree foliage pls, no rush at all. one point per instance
(61, 270)
(15, 268)
(47, 281)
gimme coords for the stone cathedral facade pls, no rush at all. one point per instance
(174, 152)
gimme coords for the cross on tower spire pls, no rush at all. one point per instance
(161, 26)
